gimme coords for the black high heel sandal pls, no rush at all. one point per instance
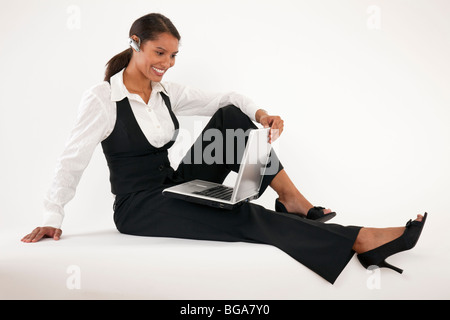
(315, 213)
(377, 257)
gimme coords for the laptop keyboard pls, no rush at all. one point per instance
(219, 192)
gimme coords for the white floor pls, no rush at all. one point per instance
(104, 264)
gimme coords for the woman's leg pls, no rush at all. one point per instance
(324, 248)
(290, 196)
(194, 166)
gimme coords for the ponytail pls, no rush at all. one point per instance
(117, 63)
(146, 28)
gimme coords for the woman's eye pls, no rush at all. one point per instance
(159, 53)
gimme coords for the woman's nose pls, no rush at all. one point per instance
(168, 62)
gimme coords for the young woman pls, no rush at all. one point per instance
(133, 115)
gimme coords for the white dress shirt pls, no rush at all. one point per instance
(96, 120)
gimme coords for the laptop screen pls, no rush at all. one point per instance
(252, 166)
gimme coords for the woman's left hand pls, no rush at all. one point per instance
(275, 123)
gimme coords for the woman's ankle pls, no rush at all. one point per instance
(295, 203)
(362, 240)
(371, 238)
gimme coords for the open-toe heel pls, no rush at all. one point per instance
(377, 257)
(315, 213)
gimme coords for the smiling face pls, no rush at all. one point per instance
(156, 56)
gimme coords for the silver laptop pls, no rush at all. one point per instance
(248, 181)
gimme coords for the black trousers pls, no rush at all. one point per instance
(324, 248)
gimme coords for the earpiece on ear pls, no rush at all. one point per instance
(135, 45)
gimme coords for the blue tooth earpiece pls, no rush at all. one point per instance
(135, 45)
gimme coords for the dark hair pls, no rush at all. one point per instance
(146, 28)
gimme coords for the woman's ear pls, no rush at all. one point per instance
(135, 43)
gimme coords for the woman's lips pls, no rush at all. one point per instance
(159, 72)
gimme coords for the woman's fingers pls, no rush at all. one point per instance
(276, 125)
(57, 234)
(277, 129)
(30, 236)
(41, 232)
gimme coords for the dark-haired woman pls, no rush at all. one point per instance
(133, 115)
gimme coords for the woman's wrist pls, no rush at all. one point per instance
(259, 114)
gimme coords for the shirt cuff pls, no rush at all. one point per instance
(251, 110)
(52, 219)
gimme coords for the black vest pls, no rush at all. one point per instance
(134, 164)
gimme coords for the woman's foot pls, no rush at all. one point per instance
(378, 244)
(371, 238)
(298, 205)
(292, 201)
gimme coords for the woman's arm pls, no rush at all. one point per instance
(90, 128)
(191, 101)
(188, 101)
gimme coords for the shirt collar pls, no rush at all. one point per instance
(119, 91)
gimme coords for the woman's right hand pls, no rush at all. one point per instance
(41, 232)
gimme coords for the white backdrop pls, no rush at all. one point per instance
(363, 87)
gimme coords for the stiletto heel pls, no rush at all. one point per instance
(384, 264)
(377, 257)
